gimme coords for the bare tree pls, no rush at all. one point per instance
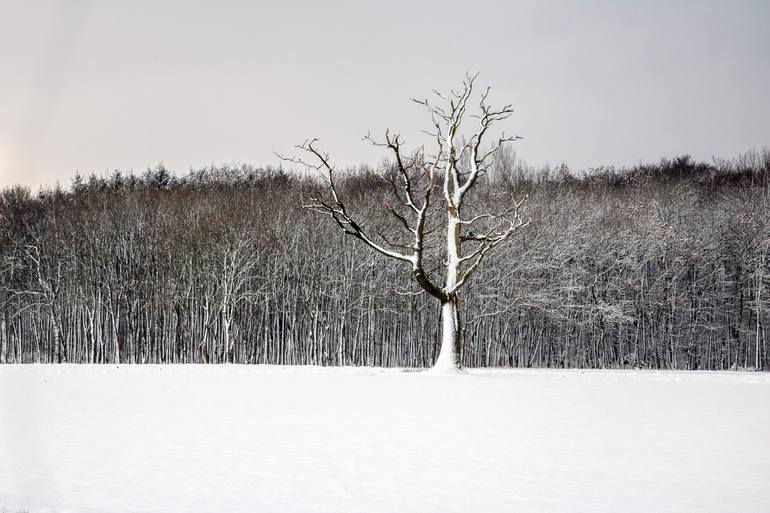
(423, 189)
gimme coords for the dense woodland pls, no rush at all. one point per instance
(658, 266)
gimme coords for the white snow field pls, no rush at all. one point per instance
(276, 439)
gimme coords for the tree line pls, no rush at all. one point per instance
(661, 265)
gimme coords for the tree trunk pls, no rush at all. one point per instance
(449, 354)
(58, 344)
(3, 343)
(115, 335)
(229, 353)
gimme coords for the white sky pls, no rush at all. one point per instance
(92, 87)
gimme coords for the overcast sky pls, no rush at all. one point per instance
(93, 87)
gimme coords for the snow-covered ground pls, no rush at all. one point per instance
(256, 439)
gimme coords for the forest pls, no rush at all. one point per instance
(661, 266)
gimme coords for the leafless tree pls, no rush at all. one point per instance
(443, 180)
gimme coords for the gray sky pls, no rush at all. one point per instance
(92, 87)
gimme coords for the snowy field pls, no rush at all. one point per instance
(257, 439)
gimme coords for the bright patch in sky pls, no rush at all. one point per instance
(4, 164)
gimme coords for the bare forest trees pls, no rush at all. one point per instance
(661, 266)
(442, 240)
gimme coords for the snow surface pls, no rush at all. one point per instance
(273, 439)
